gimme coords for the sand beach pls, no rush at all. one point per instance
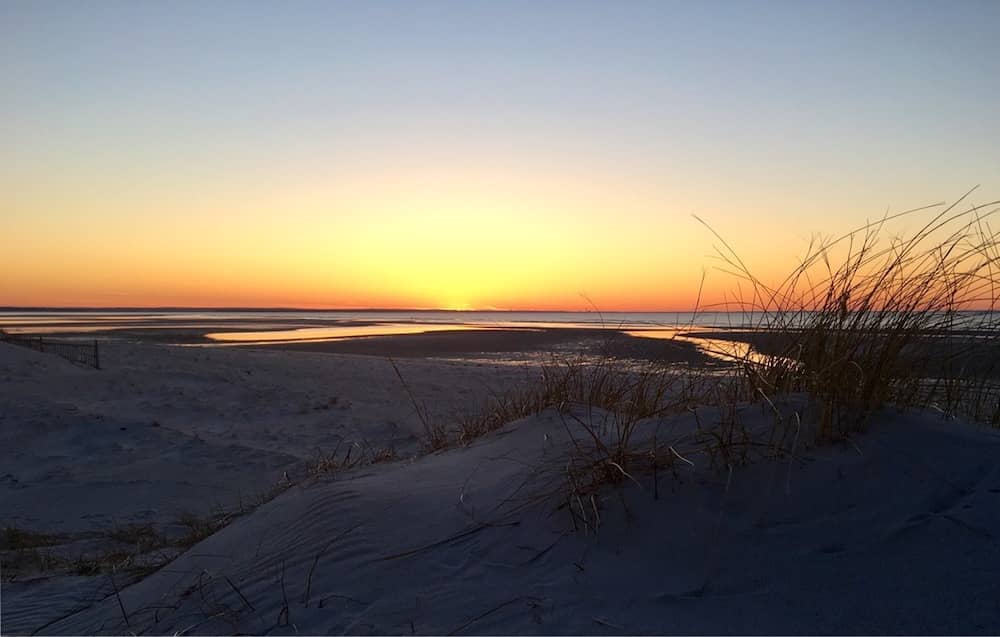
(183, 490)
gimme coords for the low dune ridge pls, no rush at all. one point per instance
(474, 541)
(492, 536)
(164, 437)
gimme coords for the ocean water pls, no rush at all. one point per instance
(334, 323)
(492, 317)
(295, 325)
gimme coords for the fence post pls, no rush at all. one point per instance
(97, 356)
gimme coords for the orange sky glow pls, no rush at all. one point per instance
(467, 155)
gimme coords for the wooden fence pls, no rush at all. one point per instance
(76, 352)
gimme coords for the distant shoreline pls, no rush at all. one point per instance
(457, 342)
(271, 309)
(66, 309)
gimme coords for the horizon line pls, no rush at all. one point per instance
(199, 308)
(183, 308)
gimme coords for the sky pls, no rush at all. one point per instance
(469, 155)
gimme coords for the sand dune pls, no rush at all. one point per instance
(165, 432)
(897, 535)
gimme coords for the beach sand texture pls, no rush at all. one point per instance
(895, 535)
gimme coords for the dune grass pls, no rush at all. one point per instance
(870, 319)
(355, 454)
(132, 550)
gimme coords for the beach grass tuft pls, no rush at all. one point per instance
(871, 319)
(874, 318)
